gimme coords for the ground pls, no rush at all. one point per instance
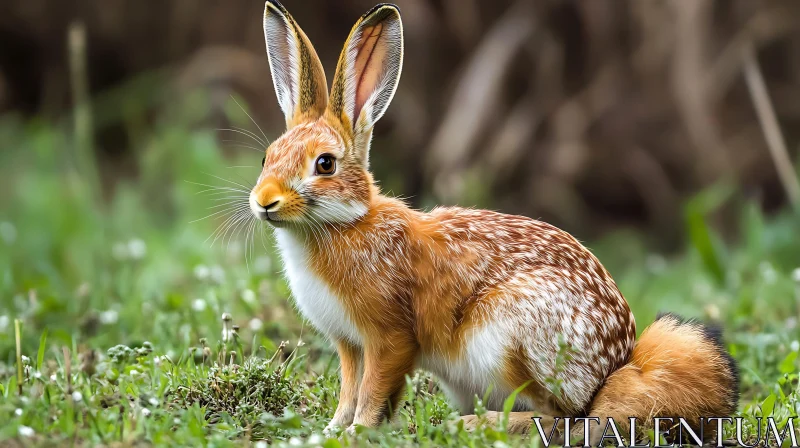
(113, 296)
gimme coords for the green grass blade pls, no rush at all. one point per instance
(508, 405)
(18, 336)
(42, 346)
(703, 241)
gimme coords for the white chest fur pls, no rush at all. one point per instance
(314, 298)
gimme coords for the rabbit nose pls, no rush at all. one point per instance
(274, 206)
(269, 196)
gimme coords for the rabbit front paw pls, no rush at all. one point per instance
(332, 430)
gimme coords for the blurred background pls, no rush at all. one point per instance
(593, 115)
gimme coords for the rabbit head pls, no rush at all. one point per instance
(317, 171)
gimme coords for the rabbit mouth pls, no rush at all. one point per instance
(272, 218)
(261, 213)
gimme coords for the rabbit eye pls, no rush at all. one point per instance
(263, 161)
(325, 164)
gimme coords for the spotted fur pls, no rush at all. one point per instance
(483, 300)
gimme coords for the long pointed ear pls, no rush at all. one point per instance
(297, 72)
(368, 70)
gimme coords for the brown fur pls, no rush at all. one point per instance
(350, 361)
(420, 286)
(677, 369)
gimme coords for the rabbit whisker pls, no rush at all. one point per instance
(223, 228)
(245, 133)
(251, 119)
(215, 214)
(238, 144)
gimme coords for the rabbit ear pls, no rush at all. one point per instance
(368, 70)
(297, 72)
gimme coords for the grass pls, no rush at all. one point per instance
(111, 312)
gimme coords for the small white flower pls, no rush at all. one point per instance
(8, 232)
(796, 275)
(134, 372)
(53, 377)
(176, 420)
(226, 327)
(25, 360)
(768, 272)
(37, 374)
(145, 412)
(198, 305)
(137, 249)
(201, 271)
(109, 317)
(294, 441)
(18, 412)
(77, 396)
(4, 321)
(153, 402)
(795, 345)
(217, 274)
(712, 311)
(260, 444)
(256, 324)
(26, 431)
(249, 296)
(315, 439)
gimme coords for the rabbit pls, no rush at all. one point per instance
(485, 301)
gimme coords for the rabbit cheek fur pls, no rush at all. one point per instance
(485, 301)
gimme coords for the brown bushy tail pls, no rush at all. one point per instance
(678, 368)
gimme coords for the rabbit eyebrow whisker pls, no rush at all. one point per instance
(245, 133)
(238, 144)
(251, 119)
